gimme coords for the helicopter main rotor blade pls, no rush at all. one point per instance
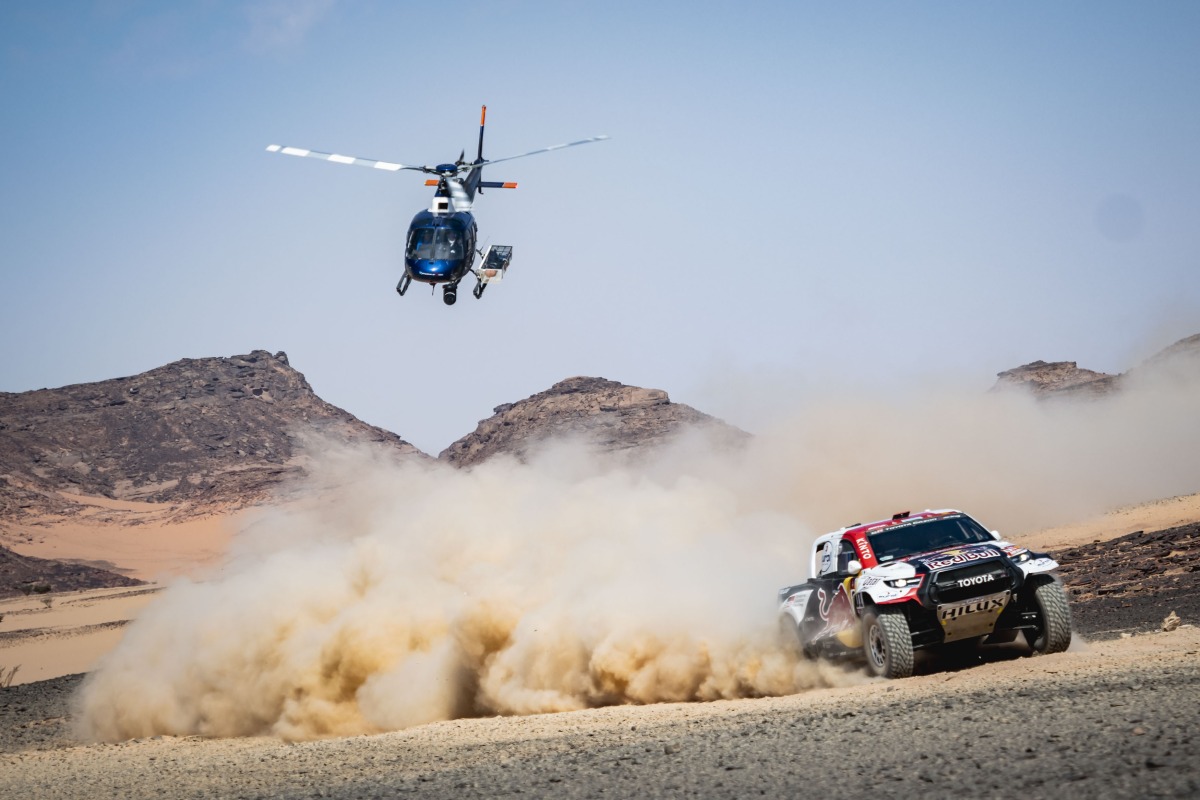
(389, 166)
(542, 150)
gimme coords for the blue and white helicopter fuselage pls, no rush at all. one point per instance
(440, 247)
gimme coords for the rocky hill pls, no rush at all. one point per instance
(1066, 379)
(196, 431)
(607, 414)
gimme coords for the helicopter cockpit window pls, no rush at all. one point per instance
(435, 244)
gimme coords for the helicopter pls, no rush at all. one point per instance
(440, 246)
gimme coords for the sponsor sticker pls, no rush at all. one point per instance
(1038, 565)
(963, 557)
(978, 579)
(864, 551)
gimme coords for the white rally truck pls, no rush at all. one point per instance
(935, 579)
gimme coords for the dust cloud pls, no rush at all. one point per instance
(387, 594)
(395, 594)
(1014, 462)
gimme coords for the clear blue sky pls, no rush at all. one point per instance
(858, 190)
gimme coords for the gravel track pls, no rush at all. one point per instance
(1117, 719)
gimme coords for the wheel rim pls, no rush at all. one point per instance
(878, 647)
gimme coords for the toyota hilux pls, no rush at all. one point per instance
(929, 580)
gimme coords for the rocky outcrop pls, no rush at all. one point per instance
(1066, 379)
(196, 431)
(1057, 378)
(609, 415)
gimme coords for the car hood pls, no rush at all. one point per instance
(952, 556)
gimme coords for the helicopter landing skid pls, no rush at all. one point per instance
(402, 286)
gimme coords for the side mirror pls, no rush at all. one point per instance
(854, 567)
(996, 535)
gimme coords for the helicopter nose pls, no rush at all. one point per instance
(435, 268)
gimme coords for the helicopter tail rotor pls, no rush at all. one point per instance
(482, 120)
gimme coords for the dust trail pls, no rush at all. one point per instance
(407, 593)
(395, 594)
(1014, 462)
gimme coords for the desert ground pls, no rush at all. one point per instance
(1113, 717)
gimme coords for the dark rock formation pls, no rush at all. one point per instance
(1130, 583)
(197, 431)
(26, 575)
(607, 414)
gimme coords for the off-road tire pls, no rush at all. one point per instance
(887, 643)
(1054, 633)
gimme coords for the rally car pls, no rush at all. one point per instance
(933, 579)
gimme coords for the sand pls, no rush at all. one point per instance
(1107, 719)
(1111, 721)
(148, 541)
(143, 541)
(68, 636)
(1155, 515)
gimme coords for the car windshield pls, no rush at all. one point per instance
(921, 537)
(435, 244)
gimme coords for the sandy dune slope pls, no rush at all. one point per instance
(149, 541)
(1153, 516)
(68, 636)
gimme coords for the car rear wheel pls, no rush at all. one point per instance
(887, 643)
(1053, 634)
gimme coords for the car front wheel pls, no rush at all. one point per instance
(887, 643)
(1053, 634)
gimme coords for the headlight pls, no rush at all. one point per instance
(901, 583)
(1024, 557)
